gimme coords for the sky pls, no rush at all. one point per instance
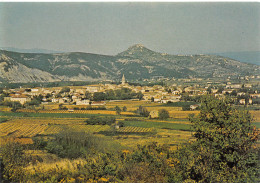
(110, 28)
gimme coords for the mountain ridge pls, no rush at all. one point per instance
(252, 57)
(137, 62)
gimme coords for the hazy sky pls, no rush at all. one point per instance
(110, 28)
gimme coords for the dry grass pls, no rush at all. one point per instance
(43, 155)
(182, 114)
(24, 140)
(5, 109)
(171, 137)
(58, 166)
(255, 115)
(4, 140)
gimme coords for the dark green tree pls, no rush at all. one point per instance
(140, 95)
(220, 89)
(65, 89)
(87, 95)
(13, 160)
(15, 105)
(233, 93)
(223, 150)
(163, 114)
(98, 96)
(124, 108)
(209, 89)
(142, 111)
(118, 110)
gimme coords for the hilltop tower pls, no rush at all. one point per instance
(123, 80)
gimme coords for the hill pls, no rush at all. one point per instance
(137, 62)
(252, 57)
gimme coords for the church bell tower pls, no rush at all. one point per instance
(123, 80)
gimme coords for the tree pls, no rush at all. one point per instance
(15, 105)
(34, 102)
(13, 160)
(220, 89)
(118, 110)
(233, 93)
(124, 108)
(87, 95)
(140, 95)
(65, 89)
(163, 114)
(98, 96)
(223, 150)
(209, 89)
(142, 111)
(110, 95)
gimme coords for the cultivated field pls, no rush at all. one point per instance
(28, 123)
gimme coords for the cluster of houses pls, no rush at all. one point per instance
(157, 93)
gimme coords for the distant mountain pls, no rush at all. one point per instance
(34, 50)
(137, 62)
(252, 57)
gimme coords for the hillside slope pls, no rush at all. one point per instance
(137, 62)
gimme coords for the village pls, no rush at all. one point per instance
(97, 95)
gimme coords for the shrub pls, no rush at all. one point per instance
(142, 111)
(118, 110)
(13, 160)
(163, 114)
(100, 121)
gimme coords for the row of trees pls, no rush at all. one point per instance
(120, 94)
(100, 121)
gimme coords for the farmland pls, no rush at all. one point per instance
(28, 127)
(26, 124)
(55, 138)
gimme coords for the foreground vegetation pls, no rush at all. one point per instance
(222, 148)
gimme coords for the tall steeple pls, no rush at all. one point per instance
(123, 79)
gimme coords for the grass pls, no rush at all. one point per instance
(256, 115)
(159, 125)
(257, 124)
(249, 107)
(2, 120)
(162, 136)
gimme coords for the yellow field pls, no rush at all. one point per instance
(5, 109)
(182, 114)
(77, 111)
(255, 115)
(22, 129)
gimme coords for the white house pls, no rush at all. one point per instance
(18, 98)
(83, 102)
